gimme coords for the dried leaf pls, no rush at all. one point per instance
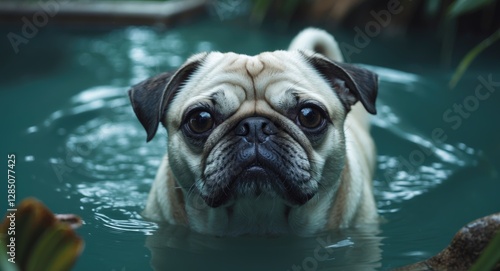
(43, 242)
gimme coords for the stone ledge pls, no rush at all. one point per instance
(112, 13)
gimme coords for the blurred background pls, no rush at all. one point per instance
(66, 66)
(456, 30)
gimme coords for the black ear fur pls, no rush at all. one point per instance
(151, 97)
(351, 83)
(145, 98)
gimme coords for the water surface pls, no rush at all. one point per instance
(66, 115)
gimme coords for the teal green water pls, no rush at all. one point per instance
(66, 116)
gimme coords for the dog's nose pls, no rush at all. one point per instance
(256, 129)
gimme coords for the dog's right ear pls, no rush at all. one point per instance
(151, 97)
(351, 83)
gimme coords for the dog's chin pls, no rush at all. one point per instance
(257, 182)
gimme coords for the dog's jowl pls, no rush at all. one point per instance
(273, 143)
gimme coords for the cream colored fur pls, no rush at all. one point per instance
(345, 198)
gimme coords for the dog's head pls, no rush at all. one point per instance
(254, 126)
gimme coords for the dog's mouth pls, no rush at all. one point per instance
(256, 180)
(258, 171)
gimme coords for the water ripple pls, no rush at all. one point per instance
(410, 162)
(109, 166)
(113, 167)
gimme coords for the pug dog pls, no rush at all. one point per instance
(273, 143)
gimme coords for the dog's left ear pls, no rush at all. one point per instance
(151, 97)
(351, 83)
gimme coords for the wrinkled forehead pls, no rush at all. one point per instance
(280, 79)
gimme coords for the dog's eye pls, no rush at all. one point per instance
(310, 117)
(200, 121)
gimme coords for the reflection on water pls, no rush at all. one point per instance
(108, 154)
(426, 163)
(102, 162)
(352, 249)
(106, 127)
(115, 168)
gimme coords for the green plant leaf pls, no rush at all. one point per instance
(460, 7)
(470, 56)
